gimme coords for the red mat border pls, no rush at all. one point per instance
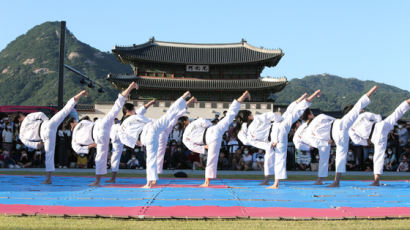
(207, 212)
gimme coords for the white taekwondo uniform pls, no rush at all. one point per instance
(117, 146)
(317, 134)
(257, 134)
(363, 128)
(201, 132)
(279, 135)
(163, 140)
(297, 138)
(88, 132)
(370, 126)
(147, 131)
(324, 128)
(36, 128)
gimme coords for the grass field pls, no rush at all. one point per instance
(36, 222)
(44, 222)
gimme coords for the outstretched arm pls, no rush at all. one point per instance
(371, 91)
(317, 93)
(132, 86)
(150, 103)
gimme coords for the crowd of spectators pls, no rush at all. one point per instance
(233, 156)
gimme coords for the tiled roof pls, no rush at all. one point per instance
(207, 54)
(199, 84)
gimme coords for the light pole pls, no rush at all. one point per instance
(61, 67)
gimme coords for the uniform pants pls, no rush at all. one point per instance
(281, 152)
(103, 139)
(386, 126)
(49, 132)
(117, 148)
(153, 131)
(163, 140)
(324, 153)
(342, 141)
(214, 139)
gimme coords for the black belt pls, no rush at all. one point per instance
(331, 131)
(39, 130)
(139, 136)
(270, 130)
(371, 132)
(204, 136)
(92, 133)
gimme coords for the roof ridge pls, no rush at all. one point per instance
(263, 79)
(243, 43)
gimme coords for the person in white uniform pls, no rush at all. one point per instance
(88, 134)
(202, 137)
(163, 137)
(324, 129)
(38, 132)
(369, 128)
(117, 147)
(255, 131)
(278, 142)
(143, 131)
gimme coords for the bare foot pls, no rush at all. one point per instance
(133, 85)
(95, 184)
(186, 95)
(333, 185)
(318, 182)
(317, 93)
(372, 90)
(274, 186)
(375, 183)
(110, 181)
(154, 182)
(82, 93)
(48, 181)
(148, 185)
(265, 182)
(192, 100)
(301, 98)
(204, 185)
(247, 95)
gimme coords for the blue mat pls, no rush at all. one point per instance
(75, 192)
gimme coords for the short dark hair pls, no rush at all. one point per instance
(243, 115)
(16, 117)
(68, 121)
(305, 114)
(181, 121)
(347, 109)
(127, 107)
(85, 118)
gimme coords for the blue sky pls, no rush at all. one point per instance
(366, 39)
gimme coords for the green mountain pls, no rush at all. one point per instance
(29, 76)
(338, 92)
(29, 68)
